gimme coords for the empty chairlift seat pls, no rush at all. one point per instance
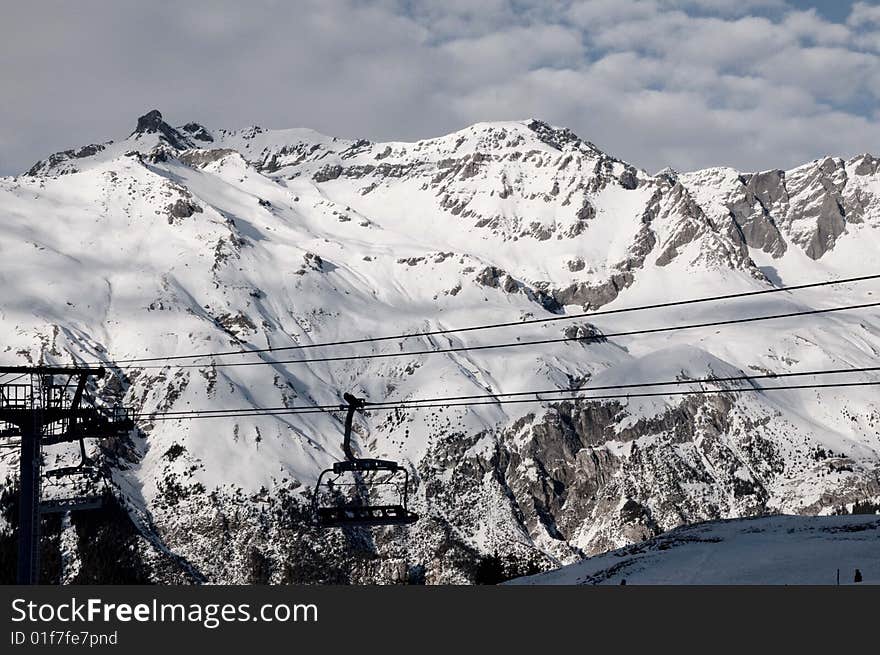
(344, 494)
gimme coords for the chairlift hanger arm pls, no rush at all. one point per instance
(78, 394)
(354, 404)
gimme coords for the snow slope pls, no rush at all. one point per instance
(778, 550)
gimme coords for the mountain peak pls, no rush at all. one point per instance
(152, 123)
(550, 134)
(668, 171)
(197, 131)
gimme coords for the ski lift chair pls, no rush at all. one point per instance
(73, 501)
(85, 467)
(337, 511)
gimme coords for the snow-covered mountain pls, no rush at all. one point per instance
(178, 240)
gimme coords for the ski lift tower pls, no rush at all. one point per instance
(43, 405)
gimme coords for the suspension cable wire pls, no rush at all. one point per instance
(13, 380)
(542, 392)
(510, 401)
(512, 344)
(492, 326)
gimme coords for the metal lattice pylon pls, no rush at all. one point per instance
(39, 387)
(41, 414)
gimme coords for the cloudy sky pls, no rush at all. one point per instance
(754, 84)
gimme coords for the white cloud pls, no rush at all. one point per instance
(830, 74)
(726, 7)
(683, 82)
(863, 13)
(500, 54)
(809, 25)
(593, 14)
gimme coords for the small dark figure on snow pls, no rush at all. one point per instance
(858, 576)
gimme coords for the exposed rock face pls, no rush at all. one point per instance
(590, 296)
(152, 123)
(203, 157)
(749, 210)
(58, 162)
(182, 209)
(697, 227)
(197, 132)
(816, 216)
(809, 207)
(867, 165)
(559, 137)
(496, 278)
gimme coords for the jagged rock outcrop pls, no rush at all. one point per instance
(152, 123)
